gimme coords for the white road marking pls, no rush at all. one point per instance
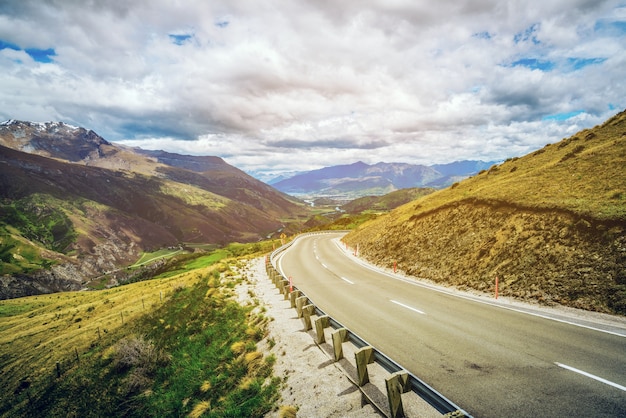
(408, 307)
(346, 280)
(599, 379)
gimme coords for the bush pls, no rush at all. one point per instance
(142, 358)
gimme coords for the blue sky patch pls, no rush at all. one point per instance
(534, 64)
(222, 23)
(41, 55)
(8, 45)
(578, 63)
(611, 27)
(179, 39)
(558, 117)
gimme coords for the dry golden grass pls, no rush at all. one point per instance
(199, 409)
(238, 347)
(36, 332)
(206, 385)
(583, 174)
(550, 225)
(193, 195)
(287, 411)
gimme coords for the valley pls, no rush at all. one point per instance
(159, 241)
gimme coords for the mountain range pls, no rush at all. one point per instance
(360, 179)
(74, 206)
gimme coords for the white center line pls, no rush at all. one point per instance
(346, 280)
(599, 379)
(408, 307)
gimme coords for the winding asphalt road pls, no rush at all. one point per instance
(488, 358)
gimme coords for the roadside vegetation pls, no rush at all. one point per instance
(178, 344)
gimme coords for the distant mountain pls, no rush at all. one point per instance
(74, 206)
(214, 174)
(457, 171)
(361, 179)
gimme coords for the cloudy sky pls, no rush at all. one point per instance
(274, 86)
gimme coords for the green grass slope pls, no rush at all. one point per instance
(551, 225)
(177, 345)
(386, 202)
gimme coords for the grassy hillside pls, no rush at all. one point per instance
(74, 206)
(386, 202)
(63, 223)
(551, 225)
(176, 345)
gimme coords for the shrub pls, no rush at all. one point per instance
(238, 347)
(287, 411)
(142, 358)
(253, 360)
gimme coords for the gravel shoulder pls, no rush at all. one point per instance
(314, 384)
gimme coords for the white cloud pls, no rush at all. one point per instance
(300, 85)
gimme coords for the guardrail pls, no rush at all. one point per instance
(400, 381)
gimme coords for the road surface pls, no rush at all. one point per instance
(490, 359)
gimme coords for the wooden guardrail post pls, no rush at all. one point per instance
(339, 336)
(321, 323)
(307, 311)
(397, 384)
(293, 296)
(285, 285)
(299, 304)
(363, 357)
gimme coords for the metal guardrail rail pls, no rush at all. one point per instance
(418, 386)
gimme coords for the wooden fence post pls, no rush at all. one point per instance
(363, 357)
(293, 296)
(339, 336)
(286, 289)
(307, 311)
(299, 304)
(321, 323)
(397, 384)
